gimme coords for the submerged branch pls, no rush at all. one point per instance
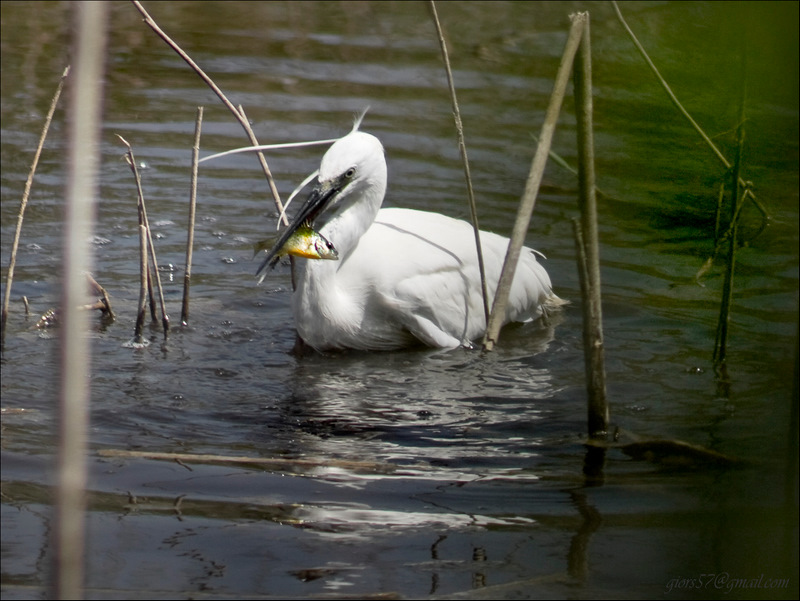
(265, 462)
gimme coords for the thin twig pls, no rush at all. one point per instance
(559, 160)
(528, 201)
(239, 114)
(24, 202)
(748, 192)
(187, 274)
(462, 147)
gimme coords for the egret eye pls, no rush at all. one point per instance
(350, 173)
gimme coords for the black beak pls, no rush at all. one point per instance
(317, 201)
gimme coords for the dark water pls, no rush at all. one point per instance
(471, 481)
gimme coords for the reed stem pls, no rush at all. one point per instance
(85, 99)
(24, 203)
(462, 147)
(738, 194)
(598, 414)
(187, 274)
(143, 220)
(138, 331)
(528, 201)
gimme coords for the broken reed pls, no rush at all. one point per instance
(146, 247)
(532, 185)
(594, 357)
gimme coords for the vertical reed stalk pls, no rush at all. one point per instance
(187, 274)
(88, 45)
(721, 342)
(138, 331)
(737, 193)
(592, 308)
(24, 203)
(528, 201)
(462, 147)
(150, 246)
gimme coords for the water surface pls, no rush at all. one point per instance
(471, 477)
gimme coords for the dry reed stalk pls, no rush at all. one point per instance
(528, 201)
(24, 203)
(143, 220)
(238, 113)
(85, 99)
(138, 331)
(598, 414)
(462, 147)
(104, 304)
(187, 274)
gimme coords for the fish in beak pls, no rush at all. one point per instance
(318, 200)
(305, 243)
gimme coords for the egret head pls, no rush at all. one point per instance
(352, 170)
(353, 165)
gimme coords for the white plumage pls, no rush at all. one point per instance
(403, 277)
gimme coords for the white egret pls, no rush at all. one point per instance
(403, 276)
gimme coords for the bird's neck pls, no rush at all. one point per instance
(345, 228)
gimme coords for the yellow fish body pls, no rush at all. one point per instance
(305, 243)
